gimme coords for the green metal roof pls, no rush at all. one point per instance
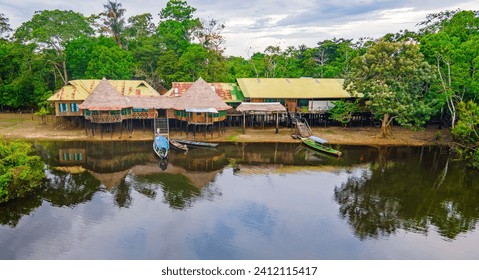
(293, 88)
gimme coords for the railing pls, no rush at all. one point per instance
(106, 118)
(145, 115)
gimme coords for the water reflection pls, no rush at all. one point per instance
(413, 189)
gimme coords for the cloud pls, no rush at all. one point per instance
(257, 24)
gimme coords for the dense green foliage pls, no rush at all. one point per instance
(394, 77)
(343, 111)
(466, 132)
(20, 172)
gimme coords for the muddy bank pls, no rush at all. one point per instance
(28, 126)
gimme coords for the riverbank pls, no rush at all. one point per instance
(28, 126)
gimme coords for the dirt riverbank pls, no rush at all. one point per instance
(28, 126)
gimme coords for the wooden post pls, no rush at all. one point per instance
(244, 123)
(277, 123)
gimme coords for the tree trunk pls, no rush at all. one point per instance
(386, 127)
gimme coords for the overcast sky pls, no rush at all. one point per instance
(252, 25)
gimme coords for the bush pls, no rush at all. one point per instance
(343, 111)
(466, 132)
(20, 171)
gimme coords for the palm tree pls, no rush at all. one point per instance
(114, 23)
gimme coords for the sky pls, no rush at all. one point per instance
(253, 25)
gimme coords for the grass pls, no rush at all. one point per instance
(329, 131)
(233, 138)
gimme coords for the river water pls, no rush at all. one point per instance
(115, 200)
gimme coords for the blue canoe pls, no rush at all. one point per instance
(161, 146)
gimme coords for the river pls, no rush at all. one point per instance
(115, 200)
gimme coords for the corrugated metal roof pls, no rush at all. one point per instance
(78, 90)
(229, 92)
(294, 88)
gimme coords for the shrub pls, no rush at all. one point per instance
(20, 171)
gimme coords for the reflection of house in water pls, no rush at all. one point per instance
(202, 160)
(72, 156)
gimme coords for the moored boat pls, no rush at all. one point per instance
(178, 145)
(161, 146)
(320, 145)
(197, 143)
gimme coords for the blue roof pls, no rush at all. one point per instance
(318, 139)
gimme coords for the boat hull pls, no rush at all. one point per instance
(321, 147)
(196, 143)
(161, 146)
(178, 145)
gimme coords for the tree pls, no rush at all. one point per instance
(167, 67)
(177, 25)
(449, 43)
(113, 20)
(466, 132)
(50, 30)
(109, 62)
(210, 36)
(334, 57)
(25, 79)
(20, 171)
(394, 78)
(140, 26)
(4, 25)
(343, 111)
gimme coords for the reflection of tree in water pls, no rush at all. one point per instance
(122, 193)
(60, 189)
(65, 189)
(11, 212)
(410, 194)
(178, 191)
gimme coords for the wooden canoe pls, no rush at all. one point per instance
(321, 145)
(197, 143)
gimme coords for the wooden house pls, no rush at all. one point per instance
(106, 105)
(296, 94)
(67, 100)
(200, 105)
(230, 93)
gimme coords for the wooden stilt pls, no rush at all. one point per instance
(244, 123)
(277, 123)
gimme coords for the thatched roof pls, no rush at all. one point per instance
(104, 98)
(272, 107)
(200, 96)
(152, 102)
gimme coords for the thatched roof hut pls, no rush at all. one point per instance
(200, 97)
(105, 97)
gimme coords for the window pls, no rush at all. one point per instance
(74, 107)
(63, 107)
